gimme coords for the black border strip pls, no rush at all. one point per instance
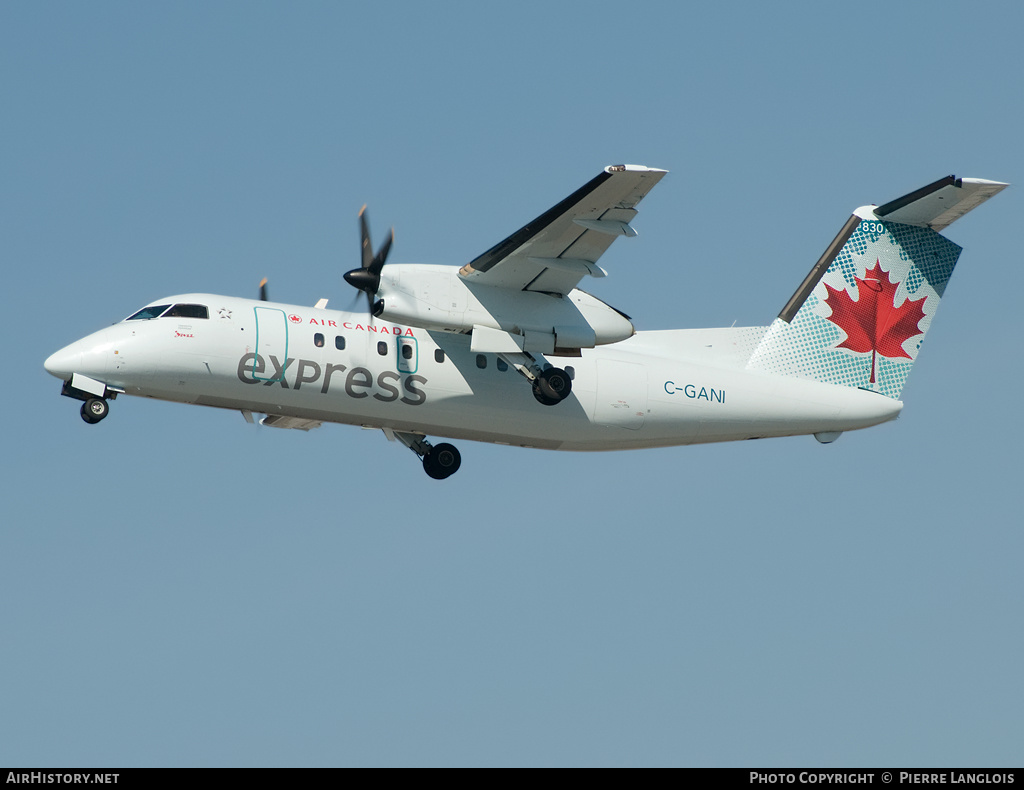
(797, 776)
(503, 249)
(812, 279)
(906, 200)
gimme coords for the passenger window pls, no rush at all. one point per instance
(570, 371)
(438, 355)
(406, 352)
(502, 364)
(481, 361)
(187, 311)
(339, 343)
(382, 348)
(318, 340)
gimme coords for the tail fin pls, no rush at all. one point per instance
(859, 317)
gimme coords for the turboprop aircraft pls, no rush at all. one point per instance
(507, 349)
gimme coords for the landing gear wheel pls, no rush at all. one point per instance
(542, 398)
(442, 461)
(94, 410)
(554, 385)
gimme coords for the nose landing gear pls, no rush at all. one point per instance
(93, 394)
(94, 410)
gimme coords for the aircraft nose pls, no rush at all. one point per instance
(63, 363)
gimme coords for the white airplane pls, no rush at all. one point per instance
(442, 349)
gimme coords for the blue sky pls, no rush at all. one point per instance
(181, 588)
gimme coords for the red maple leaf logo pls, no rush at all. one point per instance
(874, 323)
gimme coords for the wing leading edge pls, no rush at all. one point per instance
(555, 251)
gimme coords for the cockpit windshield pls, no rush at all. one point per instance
(148, 312)
(178, 311)
(187, 311)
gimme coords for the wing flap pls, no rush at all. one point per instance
(296, 423)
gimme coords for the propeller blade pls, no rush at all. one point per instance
(382, 254)
(367, 277)
(364, 238)
(263, 289)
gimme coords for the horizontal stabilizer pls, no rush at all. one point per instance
(939, 204)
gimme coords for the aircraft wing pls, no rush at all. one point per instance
(555, 251)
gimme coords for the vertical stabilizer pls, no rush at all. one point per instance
(860, 316)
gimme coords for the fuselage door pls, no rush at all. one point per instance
(271, 341)
(408, 354)
(621, 394)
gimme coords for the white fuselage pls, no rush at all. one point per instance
(655, 389)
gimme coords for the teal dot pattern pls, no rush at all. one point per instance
(919, 260)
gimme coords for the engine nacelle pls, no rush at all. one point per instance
(435, 297)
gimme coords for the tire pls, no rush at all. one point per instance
(442, 461)
(555, 383)
(94, 410)
(543, 399)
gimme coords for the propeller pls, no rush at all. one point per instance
(263, 289)
(367, 277)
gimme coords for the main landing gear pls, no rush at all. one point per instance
(550, 385)
(439, 460)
